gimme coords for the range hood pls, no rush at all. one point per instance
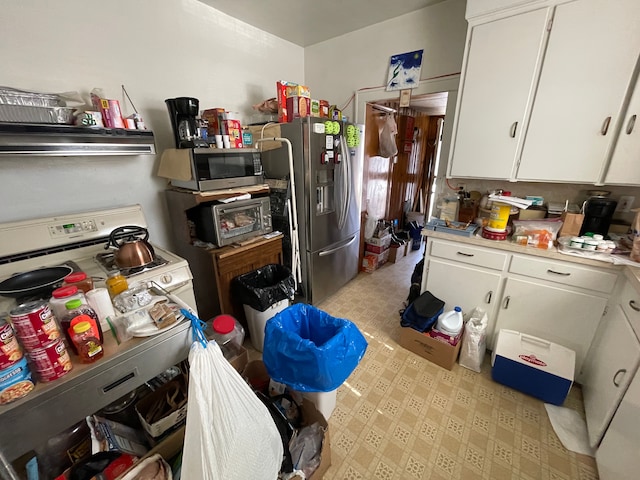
(69, 140)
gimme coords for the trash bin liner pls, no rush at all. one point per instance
(309, 350)
(264, 287)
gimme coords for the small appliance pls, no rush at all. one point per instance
(182, 113)
(226, 223)
(598, 212)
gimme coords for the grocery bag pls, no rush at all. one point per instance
(229, 434)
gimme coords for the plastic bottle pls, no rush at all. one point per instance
(116, 283)
(450, 322)
(75, 308)
(60, 297)
(80, 280)
(89, 347)
(228, 334)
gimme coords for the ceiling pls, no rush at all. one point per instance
(307, 22)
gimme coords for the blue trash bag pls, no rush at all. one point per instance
(309, 350)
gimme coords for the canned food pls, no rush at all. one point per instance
(10, 351)
(51, 362)
(15, 382)
(34, 324)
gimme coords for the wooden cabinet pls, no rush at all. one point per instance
(213, 269)
(557, 300)
(545, 91)
(499, 71)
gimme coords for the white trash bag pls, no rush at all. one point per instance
(229, 433)
(474, 340)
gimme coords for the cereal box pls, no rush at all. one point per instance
(298, 107)
(298, 91)
(281, 89)
(235, 133)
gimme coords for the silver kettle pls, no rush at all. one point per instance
(133, 248)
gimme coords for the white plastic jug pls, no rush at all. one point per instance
(450, 322)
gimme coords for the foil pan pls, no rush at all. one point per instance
(12, 96)
(27, 114)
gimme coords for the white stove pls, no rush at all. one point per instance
(79, 240)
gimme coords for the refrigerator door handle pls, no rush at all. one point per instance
(344, 198)
(324, 253)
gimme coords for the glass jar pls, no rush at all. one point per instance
(60, 297)
(80, 280)
(116, 283)
(75, 308)
(89, 347)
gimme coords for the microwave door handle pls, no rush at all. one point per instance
(224, 211)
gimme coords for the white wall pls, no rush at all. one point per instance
(335, 69)
(158, 50)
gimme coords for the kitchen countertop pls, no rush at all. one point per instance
(632, 273)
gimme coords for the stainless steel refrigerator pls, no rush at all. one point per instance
(327, 161)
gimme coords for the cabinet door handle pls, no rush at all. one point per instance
(632, 304)
(564, 274)
(605, 126)
(505, 304)
(514, 127)
(615, 377)
(631, 124)
(465, 254)
(489, 295)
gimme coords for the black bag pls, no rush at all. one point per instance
(423, 312)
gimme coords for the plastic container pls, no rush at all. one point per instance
(228, 334)
(257, 320)
(450, 322)
(80, 280)
(590, 244)
(60, 297)
(89, 346)
(116, 283)
(499, 217)
(576, 242)
(75, 308)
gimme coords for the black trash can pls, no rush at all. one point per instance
(263, 293)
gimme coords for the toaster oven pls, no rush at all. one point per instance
(226, 223)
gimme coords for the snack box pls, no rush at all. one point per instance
(533, 366)
(281, 94)
(298, 91)
(235, 133)
(297, 107)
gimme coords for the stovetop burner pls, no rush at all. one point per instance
(107, 261)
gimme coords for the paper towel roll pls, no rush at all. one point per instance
(100, 301)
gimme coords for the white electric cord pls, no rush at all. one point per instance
(295, 241)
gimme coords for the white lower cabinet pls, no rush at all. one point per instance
(559, 315)
(612, 362)
(618, 457)
(465, 286)
(559, 301)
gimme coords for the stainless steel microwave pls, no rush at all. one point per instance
(218, 168)
(226, 223)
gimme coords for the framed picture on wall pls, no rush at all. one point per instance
(404, 71)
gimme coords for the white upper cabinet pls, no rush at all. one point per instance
(589, 62)
(625, 163)
(545, 93)
(498, 82)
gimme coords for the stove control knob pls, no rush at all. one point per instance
(166, 278)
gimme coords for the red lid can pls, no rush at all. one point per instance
(223, 324)
(75, 277)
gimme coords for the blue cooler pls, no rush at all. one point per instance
(534, 366)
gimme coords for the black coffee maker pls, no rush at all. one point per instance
(598, 212)
(183, 112)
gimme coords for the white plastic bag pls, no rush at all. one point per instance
(474, 340)
(229, 434)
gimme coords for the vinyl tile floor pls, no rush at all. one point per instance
(399, 416)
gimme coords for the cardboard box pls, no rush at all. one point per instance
(369, 247)
(240, 361)
(324, 109)
(310, 414)
(396, 253)
(235, 133)
(298, 91)
(383, 241)
(281, 94)
(172, 419)
(372, 261)
(111, 113)
(298, 107)
(432, 349)
(533, 366)
(216, 117)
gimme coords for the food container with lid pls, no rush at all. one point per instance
(590, 244)
(228, 334)
(61, 296)
(577, 242)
